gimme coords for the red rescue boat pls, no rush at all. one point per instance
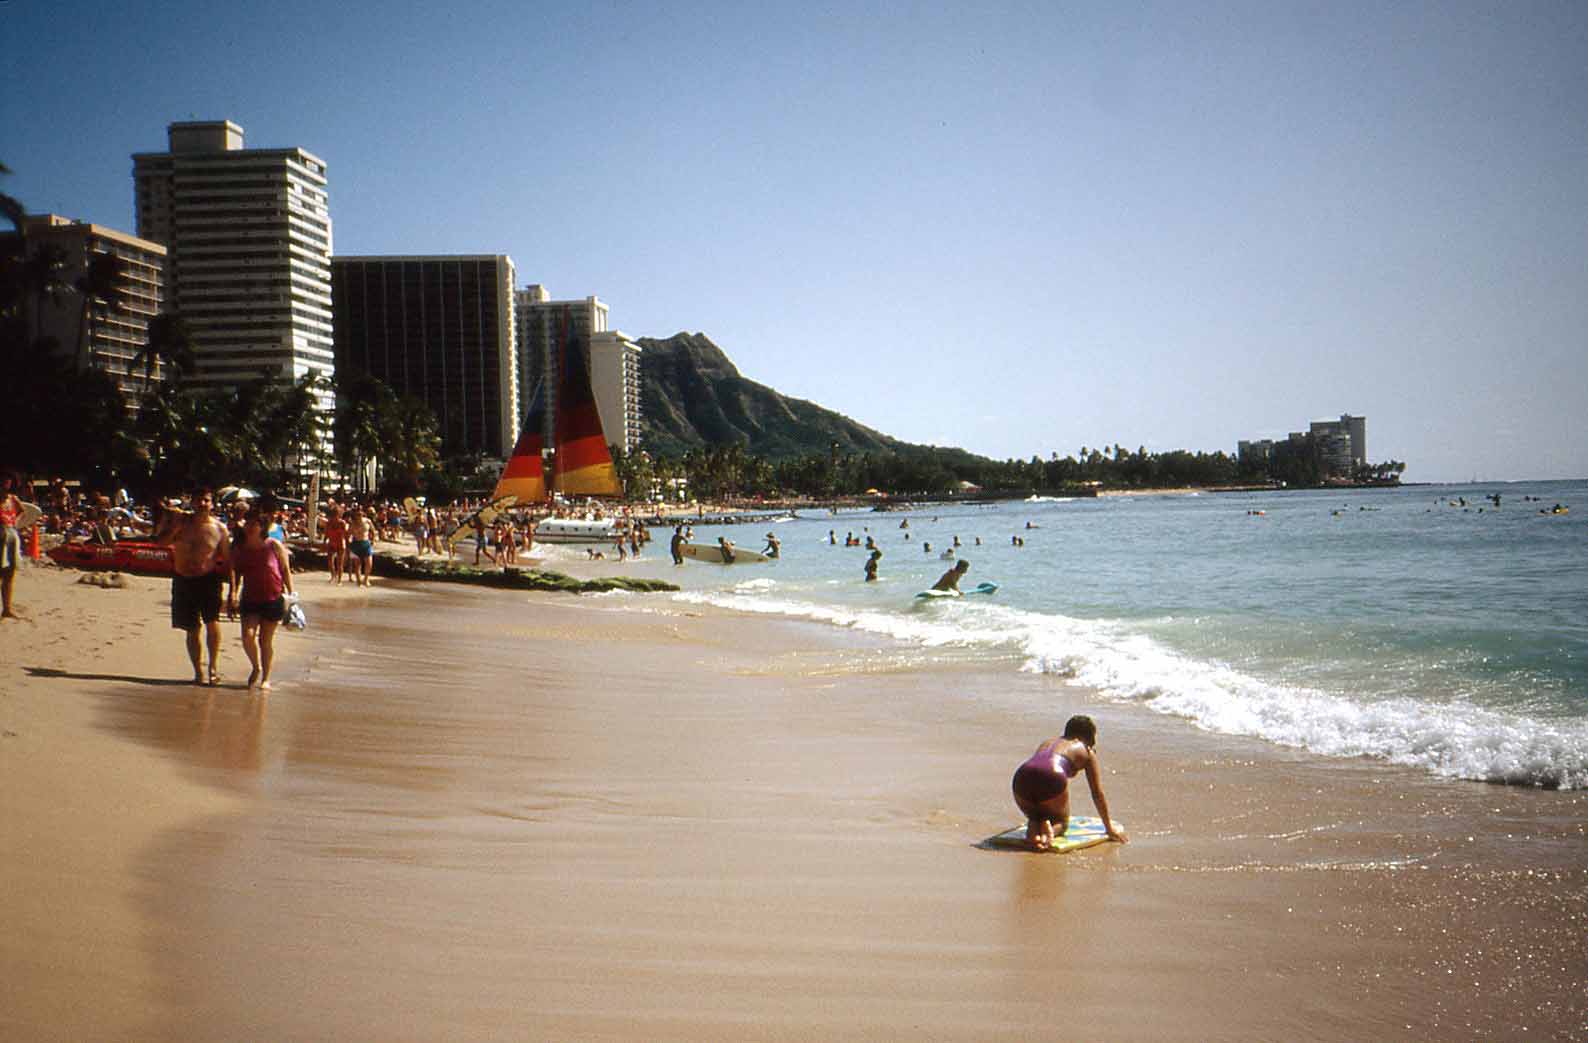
(140, 556)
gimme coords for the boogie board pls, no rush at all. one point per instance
(980, 588)
(710, 552)
(1085, 831)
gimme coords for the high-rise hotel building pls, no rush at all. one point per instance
(440, 329)
(614, 361)
(113, 335)
(248, 235)
(615, 380)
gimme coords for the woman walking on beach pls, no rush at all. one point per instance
(260, 562)
(1042, 784)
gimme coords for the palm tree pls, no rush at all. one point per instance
(296, 423)
(170, 342)
(43, 279)
(412, 441)
(100, 285)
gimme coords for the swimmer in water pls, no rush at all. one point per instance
(950, 579)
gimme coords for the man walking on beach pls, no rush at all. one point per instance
(201, 551)
(361, 547)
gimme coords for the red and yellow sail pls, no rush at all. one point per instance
(524, 476)
(583, 465)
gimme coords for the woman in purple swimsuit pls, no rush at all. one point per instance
(1042, 784)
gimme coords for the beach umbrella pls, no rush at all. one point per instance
(233, 493)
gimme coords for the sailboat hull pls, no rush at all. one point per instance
(574, 530)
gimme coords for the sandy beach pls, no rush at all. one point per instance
(479, 814)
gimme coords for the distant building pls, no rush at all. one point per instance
(615, 379)
(118, 330)
(614, 361)
(1341, 446)
(541, 324)
(1343, 443)
(248, 235)
(439, 328)
(1255, 453)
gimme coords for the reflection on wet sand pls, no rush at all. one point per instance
(221, 729)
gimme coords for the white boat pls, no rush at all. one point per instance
(575, 530)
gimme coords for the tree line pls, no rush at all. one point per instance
(729, 471)
(715, 472)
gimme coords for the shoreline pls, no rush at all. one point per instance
(866, 910)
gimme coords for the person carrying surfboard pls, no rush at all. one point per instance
(1041, 785)
(950, 579)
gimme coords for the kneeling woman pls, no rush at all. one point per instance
(261, 563)
(1042, 784)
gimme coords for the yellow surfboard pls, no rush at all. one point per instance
(1085, 831)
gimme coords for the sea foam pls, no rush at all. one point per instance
(1454, 739)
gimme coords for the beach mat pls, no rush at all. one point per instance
(1085, 831)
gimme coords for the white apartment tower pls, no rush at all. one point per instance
(615, 380)
(540, 325)
(248, 236)
(614, 361)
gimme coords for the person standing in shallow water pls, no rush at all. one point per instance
(1041, 785)
(950, 579)
(872, 564)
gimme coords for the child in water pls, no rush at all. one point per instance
(1042, 784)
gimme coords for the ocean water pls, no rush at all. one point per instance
(1399, 624)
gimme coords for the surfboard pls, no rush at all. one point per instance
(1085, 831)
(980, 588)
(710, 552)
(487, 515)
(31, 513)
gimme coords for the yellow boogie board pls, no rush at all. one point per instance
(1085, 831)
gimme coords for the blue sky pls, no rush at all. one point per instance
(1016, 228)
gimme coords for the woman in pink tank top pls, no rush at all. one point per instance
(261, 568)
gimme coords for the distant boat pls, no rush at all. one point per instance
(575, 530)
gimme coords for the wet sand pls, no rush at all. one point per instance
(468, 813)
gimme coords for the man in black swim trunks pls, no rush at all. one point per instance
(200, 549)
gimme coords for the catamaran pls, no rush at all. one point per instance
(581, 462)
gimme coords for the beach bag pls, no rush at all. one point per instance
(295, 620)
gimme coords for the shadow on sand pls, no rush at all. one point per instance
(161, 682)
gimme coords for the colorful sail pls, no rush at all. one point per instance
(524, 477)
(583, 465)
